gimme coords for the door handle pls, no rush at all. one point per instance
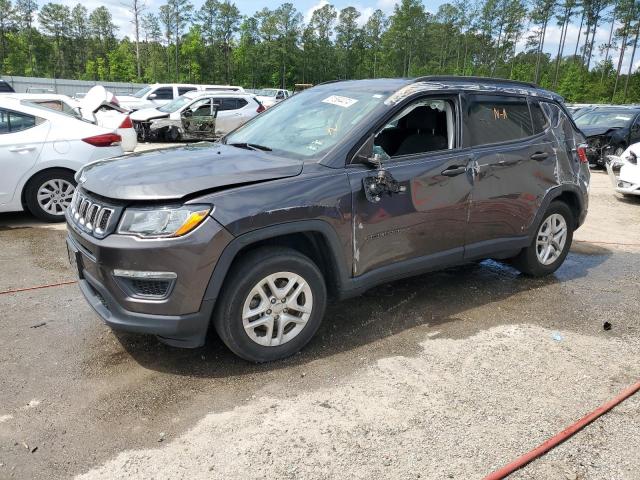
(539, 156)
(22, 149)
(454, 170)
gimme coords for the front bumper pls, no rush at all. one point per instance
(182, 317)
(627, 181)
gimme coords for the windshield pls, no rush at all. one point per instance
(142, 92)
(311, 122)
(267, 92)
(605, 119)
(174, 105)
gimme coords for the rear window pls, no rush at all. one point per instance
(496, 119)
(11, 122)
(183, 90)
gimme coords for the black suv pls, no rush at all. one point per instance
(339, 188)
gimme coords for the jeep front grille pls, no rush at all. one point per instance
(91, 215)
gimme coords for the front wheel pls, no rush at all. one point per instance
(49, 193)
(272, 304)
(551, 243)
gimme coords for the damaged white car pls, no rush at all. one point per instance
(624, 171)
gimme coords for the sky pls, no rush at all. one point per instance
(121, 17)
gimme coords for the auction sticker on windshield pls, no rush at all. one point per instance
(344, 102)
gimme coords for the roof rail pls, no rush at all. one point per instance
(485, 80)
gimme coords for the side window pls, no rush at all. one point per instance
(12, 122)
(201, 108)
(540, 122)
(183, 90)
(280, 95)
(426, 125)
(495, 119)
(241, 102)
(163, 93)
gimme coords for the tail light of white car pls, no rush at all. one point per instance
(104, 140)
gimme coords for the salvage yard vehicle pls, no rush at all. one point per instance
(159, 94)
(5, 87)
(196, 115)
(627, 181)
(609, 131)
(340, 188)
(97, 106)
(40, 151)
(270, 96)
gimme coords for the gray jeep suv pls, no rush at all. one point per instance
(339, 188)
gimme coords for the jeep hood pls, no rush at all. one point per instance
(173, 173)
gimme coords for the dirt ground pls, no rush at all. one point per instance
(447, 375)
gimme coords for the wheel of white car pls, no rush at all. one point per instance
(550, 244)
(49, 193)
(272, 304)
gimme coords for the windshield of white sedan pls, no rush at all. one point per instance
(308, 124)
(141, 93)
(605, 119)
(174, 105)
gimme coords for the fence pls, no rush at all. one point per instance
(67, 87)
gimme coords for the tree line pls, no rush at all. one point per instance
(276, 47)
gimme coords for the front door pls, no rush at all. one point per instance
(200, 122)
(423, 222)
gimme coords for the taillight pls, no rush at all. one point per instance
(261, 109)
(115, 101)
(126, 123)
(582, 153)
(104, 140)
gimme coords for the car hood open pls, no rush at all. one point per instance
(174, 173)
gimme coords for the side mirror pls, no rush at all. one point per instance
(366, 154)
(187, 113)
(152, 96)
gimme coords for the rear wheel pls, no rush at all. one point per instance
(272, 304)
(49, 193)
(551, 243)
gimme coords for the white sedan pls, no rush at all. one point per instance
(628, 180)
(98, 106)
(40, 151)
(197, 115)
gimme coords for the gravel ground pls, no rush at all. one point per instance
(447, 375)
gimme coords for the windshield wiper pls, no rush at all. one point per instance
(251, 146)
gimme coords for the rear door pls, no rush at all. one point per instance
(21, 140)
(229, 114)
(514, 165)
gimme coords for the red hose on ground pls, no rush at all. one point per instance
(562, 436)
(38, 287)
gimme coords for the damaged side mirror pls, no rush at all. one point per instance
(375, 186)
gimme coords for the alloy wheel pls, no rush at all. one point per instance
(551, 239)
(54, 196)
(277, 309)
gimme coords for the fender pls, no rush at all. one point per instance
(304, 226)
(551, 195)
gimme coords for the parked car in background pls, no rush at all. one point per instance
(197, 115)
(159, 94)
(609, 131)
(40, 151)
(627, 181)
(97, 106)
(270, 96)
(5, 87)
(342, 187)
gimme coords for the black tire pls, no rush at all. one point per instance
(248, 272)
(34, 185)
(527, 261)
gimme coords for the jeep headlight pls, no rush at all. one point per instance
(162, 222)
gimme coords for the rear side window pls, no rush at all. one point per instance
(5, 87)
(496, 119)
(164, 93)
(183, 90)
(11, 122)
(540, 122)
(228, 104)
(241, 102)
